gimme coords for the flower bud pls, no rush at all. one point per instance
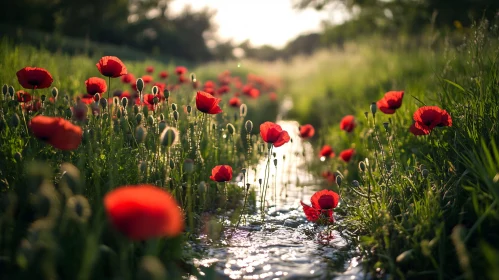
(425, 173)
(169, 137)
(11, 91)
(18, 157)
(175, 115)
(243, 171)
(366, 114)
(96, 97)
(338, 180)
(150, 120)
(124, 102)
(166, 93)
(14, 120)
(189, 109)
(103, 103)
(201, 187)
(155, 100)
(5, 89)
(143, 166)
(138, 118)
(243, 110)
(230, 128)
(260, 181)
(145, 111)
(140, 134)
(385, 125)
(362, 166)
(275, 162)
(118, 113)
(161, 117)
(43, 97)
(248, 185)
(193, 77)
(355, 183)
(155, 90)
(188, 165)
(374, 108)
(69, 113)
(174, 107)
(140, 84)
(161, 125)
(249, 126)
(55, 92)
(116, 101)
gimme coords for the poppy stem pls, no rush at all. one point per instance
(245, 199)
(108, 93)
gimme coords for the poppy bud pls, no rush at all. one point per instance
(145, 111)
(168, 137)
(124, 102)
(425, 173)
(175, 115)
(213, 126)
(161, 117)
(124, 124)
(96, 97)
(18, 157)
(150, 268)
(150, 120)
(14, 120)
(142, 166)
(188, 165)
(69, 113)
(166, 93)
(103, 103)
(275, 162)
(374, 108)
(202, 187)
(155, 90)
(118, 113)
(116, 101)
(155, 100)
(355, 183)
(243, 110)
(172, 164)
(174, 107)
(366, 114)
(338, 180)
(5, 89)
(140, 84)
(189, 109)
(11, 91)
(231, 128)
(193, 77)
(385, 125)
(55, 92)
(249, 126)
(138, 118)
(161, 125)
(248, 186)
(260, 181)
(140, 134)
(243, 171)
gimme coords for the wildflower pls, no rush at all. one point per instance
(111, 66)
(329, 176)
(128, 78)
(390, 102)
(58, 132)
(326, 152)
(144, 211)
(347, 154)
(208, 104)
(34, 106)
(95, 85)
(221, 173)
(307, 131)
(347, 123)
(163, 74)
(180, 70)
(323, 203)
(147, 79)
(235, 102)
(34, 78)
(273, 96)
(428, 117)
(23, 97)
(254, 93)
(149, 69)
(223, 89)
(273, 133)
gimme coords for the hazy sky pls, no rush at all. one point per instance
(272, 22)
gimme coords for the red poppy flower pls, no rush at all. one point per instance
(323, 203)
(133, 85)
(34, 78)
(180, 70)
(347, 154)
(163, 74)
(221, 173)
(390, 102)
(147, 79)
(273, 133)
(34, 106)
(161, 87)
(148, 101)
(127, 78)
(209, 84)
(273, 96)
(95, 85)
(235, 102)
(182, 79)
(247, 88)
(416, 131)
(56, 131)
(307, 131)
(347, 123)
(144, 211)
(23, 96)
(210, 91)
(223, 89)
(208, 104)
(254, 93)
(428, 117)
(149, 69)
(326, 152)
(111, 66)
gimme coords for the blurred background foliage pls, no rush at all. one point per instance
(145, 28)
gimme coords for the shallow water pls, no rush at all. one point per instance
(285, 245)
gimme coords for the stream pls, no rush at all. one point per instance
(285, 245)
